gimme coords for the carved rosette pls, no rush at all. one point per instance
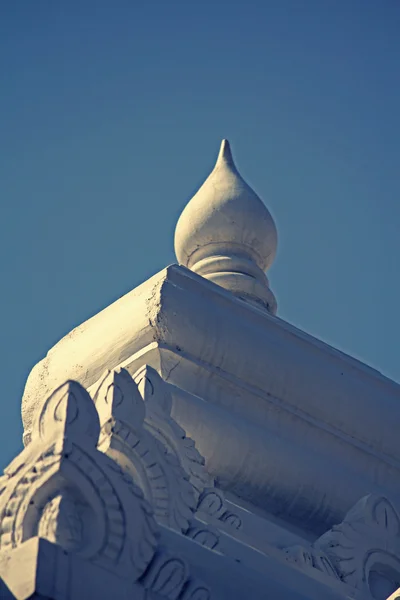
(365, 547)
(61, 488)
(124, 438)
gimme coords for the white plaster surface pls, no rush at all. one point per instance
(214, 451)
(256, 451)
(227, 235)
(74, 525)
(268, 405)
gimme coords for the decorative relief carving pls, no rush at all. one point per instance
(310, 558)
(158, 401)
(195, 591)
(231, 519)
(168, 576)
(206, 536)
(211, 502)
(158, 421)
(365, 547)
(124, 438)
(62, 522)
(61, 488)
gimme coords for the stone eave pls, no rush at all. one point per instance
(178, 309)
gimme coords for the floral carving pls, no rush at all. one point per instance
(61, 488)
(307, 558)
(124, 438)
(62, 522)
(212, 502)
(159, 422)
(206, 536)
(166, 576)
(365, 547)
(231, 519)
(165, 429)
(196, 591)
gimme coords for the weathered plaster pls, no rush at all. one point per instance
(187, 444)
(247, 385)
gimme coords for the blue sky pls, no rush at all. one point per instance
(111, 115)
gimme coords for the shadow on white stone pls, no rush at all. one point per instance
(125, 439)
(365, 547)
(158, 421)
(220, 444)
(73, 522)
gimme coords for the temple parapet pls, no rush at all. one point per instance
(104, 480)
(196, 446)
(65, 502)
(268, 406)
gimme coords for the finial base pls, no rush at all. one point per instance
(239, 275)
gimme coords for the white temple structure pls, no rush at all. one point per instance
(187, 444)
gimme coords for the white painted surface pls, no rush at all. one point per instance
(227, 235)
(277, 405)
(224, 398)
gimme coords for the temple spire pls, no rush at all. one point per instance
(227, 235)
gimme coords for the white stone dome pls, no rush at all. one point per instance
(226, 229)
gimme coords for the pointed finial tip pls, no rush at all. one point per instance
(225, 153)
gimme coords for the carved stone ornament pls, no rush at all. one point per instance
(205, 535)
(310, 558)
(212, 502)
(365, 547)
(163, 427)
(159, 422)
(63, 489)
(168, 576)
(124, 438)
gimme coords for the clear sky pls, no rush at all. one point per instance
(111, 115)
